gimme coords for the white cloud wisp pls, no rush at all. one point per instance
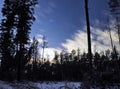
(49, 52)
(100, 40)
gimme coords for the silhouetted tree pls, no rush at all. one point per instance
(109, 30)
(73, 54)
(78, 54)
(56, 58)
(62, 57)
(15, 29)
(88, 38)
(24, 13)
(34, 50)
(7, 37)
(34, 57)
(114, 6)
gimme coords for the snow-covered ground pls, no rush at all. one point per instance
(40, 85)
(4, 85)
(50, 85)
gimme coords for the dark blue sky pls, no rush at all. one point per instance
(58, 20)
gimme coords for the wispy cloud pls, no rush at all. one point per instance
(100, 40)
(43, 10)
(49, 52)
(39, 38)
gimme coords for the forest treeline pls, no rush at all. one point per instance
(19, 58)
(72, 66)
(75, 66)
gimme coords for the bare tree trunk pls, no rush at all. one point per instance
(118, 28)
(19, 64)
(88, 34)
(109, 30)
(89, 46)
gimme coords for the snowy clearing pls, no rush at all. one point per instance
(40, 85)
(50, 85)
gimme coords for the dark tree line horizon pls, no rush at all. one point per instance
(16, 51)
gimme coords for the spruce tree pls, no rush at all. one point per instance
(14, 34)
(25, 11)
(6, 38)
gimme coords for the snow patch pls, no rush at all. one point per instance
(51, 85)
(58, 85)
(40, 85)
(4, 85)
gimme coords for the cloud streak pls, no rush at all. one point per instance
(43, 10)
(49, 52)
(100, 40)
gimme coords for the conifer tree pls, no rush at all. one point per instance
(25, 14)
(6, 37)
(14, 34)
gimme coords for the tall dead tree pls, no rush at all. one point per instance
(44, 45)
(88, 34)
(109, 30)
(114, 6)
